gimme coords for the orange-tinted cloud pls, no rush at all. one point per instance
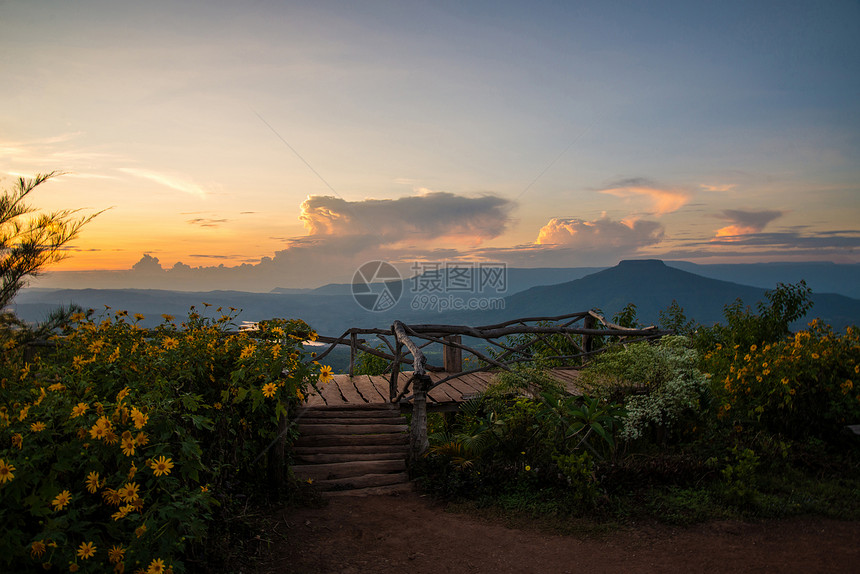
(663, 199)
(745, 222)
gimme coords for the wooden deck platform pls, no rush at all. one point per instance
(344, 390)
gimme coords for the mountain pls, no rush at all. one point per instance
(652, 286)
(517, 279)
(820, 276)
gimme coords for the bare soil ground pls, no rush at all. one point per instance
(410, 533)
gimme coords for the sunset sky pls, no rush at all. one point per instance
(272, 143)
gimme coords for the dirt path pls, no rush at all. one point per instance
(408, 533)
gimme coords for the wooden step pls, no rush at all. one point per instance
(351, 449)
(352, 439)
(365, 481)
(317, 430)
(327, 458)
(343, 448)
(319, 413)
(355, 407)
(351, 421)
(333, 471)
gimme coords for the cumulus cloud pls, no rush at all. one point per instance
(602, 234)
(663, 199)
(744, 222)
(431, 215)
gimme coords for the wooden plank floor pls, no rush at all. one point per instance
(344, 390)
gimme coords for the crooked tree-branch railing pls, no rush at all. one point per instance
(400, 343)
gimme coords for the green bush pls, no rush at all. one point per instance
(125, 448)
(659, 384)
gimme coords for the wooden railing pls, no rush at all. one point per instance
(498, 352)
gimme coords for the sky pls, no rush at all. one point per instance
(273, 144)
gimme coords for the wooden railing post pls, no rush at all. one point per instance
(418, 441)
(352, 342)
(587, 342)
(395, 372)
(453, 356)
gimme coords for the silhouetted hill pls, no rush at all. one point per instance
(652, 286)
(331, 309)
(821, 276)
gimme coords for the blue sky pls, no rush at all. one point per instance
(285, 143)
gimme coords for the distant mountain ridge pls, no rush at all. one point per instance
(651, 285)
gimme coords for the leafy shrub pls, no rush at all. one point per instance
(506, 440)
(122, 446)
(659, 384)
(369, 364)
(799, 387)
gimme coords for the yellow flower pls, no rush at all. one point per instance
(247, 351)
(73, 567)
(98, 432)
(128, 446)
(132, 471)
(156, 567)
(129, 492)
(116, 554)
(57, 387)
(753, 348)
(92, 482)
(122, 512)
(122, 394)
(217, 406)
(140, 531)
(528, 468)
(86, 550)
(325, 374)
(37, 427)
(141, 439)
(161, 466)
(18, 440)
(139, 418)
(6, 472)
(111, 497)
(62, 500)
(204, 489)
(269, 390)
(79, 410)
(167, 318)
(37, 549)
(169, 343)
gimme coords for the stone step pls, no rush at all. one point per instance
(317, 430)
(352, 469)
